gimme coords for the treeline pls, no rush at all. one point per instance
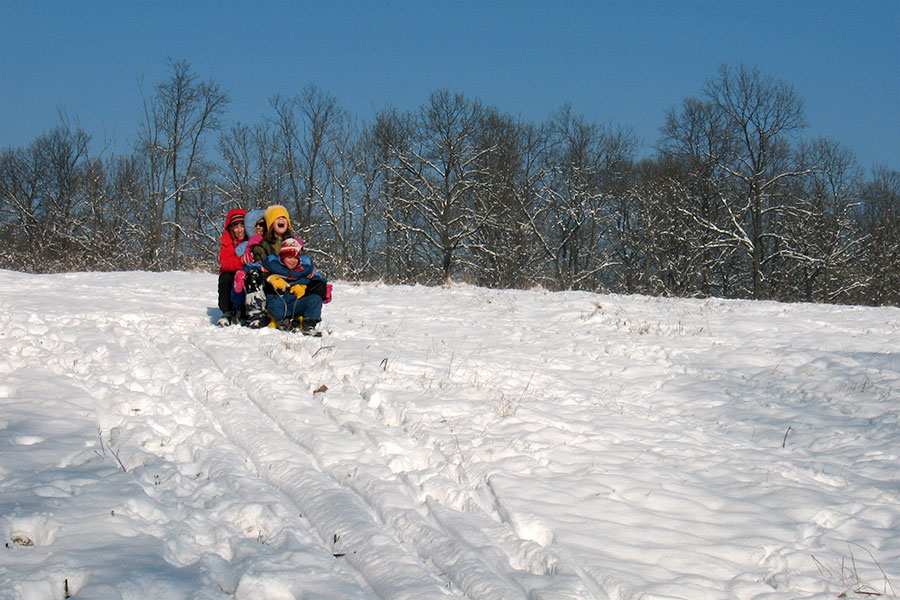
(732, 204)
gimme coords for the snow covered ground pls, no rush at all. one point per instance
(443, 442)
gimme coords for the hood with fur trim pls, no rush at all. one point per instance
(250, 219)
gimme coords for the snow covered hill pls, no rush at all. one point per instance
(443, 442)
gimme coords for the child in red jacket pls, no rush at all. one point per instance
(229, 263)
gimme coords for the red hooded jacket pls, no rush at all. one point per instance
(227, 259)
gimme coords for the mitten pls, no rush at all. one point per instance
(254, 240)
(241, 248)
(298, 289)
(239, 278)
(278, 283)
(247, 258)
(327, 294)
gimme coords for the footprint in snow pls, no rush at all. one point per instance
(33, 530)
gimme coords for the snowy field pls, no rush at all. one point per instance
(443, 443)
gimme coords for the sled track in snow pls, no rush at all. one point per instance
(323, 462)
(366, 517)
(384, 522)
(266, 511)
(280, 466)
(418, 523)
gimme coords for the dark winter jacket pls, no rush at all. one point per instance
(228, 261)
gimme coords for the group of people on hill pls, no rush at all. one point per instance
(265, 279)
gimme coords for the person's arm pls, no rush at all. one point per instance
(227, 258)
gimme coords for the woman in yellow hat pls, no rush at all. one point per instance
(278, 229)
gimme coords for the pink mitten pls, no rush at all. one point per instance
(248, 257)
(239, 278)
(327, 294)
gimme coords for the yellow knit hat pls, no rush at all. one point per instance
(275, 211)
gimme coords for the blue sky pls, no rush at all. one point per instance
(617, 62)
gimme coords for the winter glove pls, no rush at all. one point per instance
(278, 283)
(239, 278)
(248, 257)
(298, 290)
(327, 294)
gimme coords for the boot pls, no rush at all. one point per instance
(308, 327)
(258, 322)
(257, 317)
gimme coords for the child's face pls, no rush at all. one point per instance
(291, 262)
(259, 227)
(238, 231)
(280, 225)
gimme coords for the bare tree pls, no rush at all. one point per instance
(698, 189)
(389, 138)
(879, 217)
(305, 123)
(501, 251)
(738, 138)
(119, 214)
(730, 205)
(438, 178)
(659, 244)
(177, 118)
(249, 170)
(820, 241)
(44, 191)
(347, 208)
(760, 112)
(21, 185)
(364, 196)
(582, 161)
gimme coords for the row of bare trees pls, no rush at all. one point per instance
(733, 203)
